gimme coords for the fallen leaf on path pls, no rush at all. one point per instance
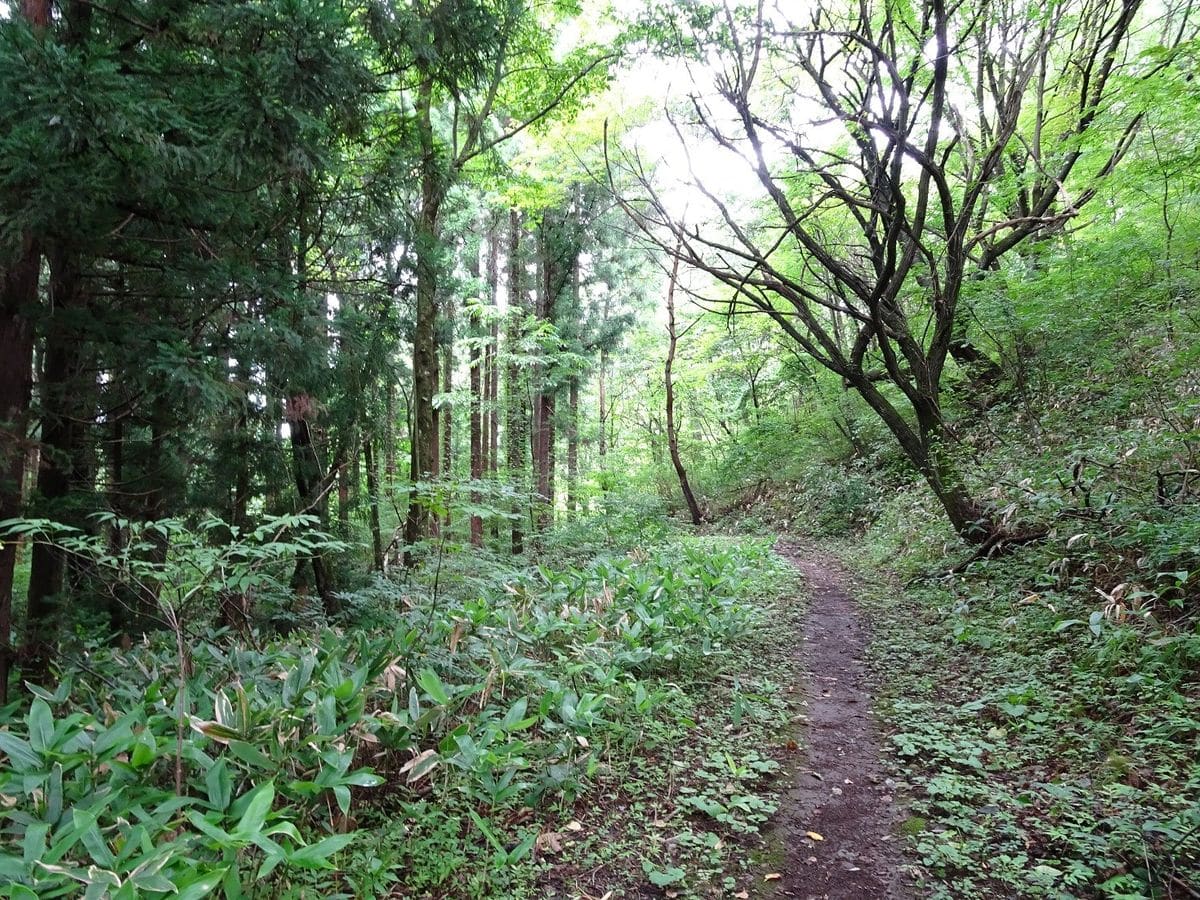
(742, 895)
(574, 826)
(814, 836)
(772, 876)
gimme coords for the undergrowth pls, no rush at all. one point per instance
(475, 731)
(1045, 755)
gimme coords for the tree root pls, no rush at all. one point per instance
(999, 543)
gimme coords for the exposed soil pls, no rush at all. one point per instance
(838, 786)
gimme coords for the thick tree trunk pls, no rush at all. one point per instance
(672, 429)
(244, 443)
(516, 424)
(343, 489)
(477, 448)
(573, 448)
(373, 502)
(543, 429)
(18, 298)
(310, 479)
(602, 399)
(926, 449)
(423, 437)
(389, 434)
(446, 412)
(478, 389)
(491, 372)
(494, 398)
(62, 362)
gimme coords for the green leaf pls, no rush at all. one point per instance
(258, 806)
(217, 731)
(315, 855)
(41, 725)
(54, 794)
(363, 778)
(34, 844)
(248, 753)
(144, 750)
(432, 685)
(220, 785)
(19, 752)
(342, 794)
(201, 887)
(663, 877)
(205, 827)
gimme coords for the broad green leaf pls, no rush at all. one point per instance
(200, 887)
(316, 854)
(19, 752)
(432, 685)
(219, 783)
(257, 808)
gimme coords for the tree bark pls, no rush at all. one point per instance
(389, 433)
(309, 478)
(61, 364)
(476, 426)
(543, 429)
(672, 429)
(602, 399)
(516, 423)
(18, 298)
(446, 411)
(373, 502)
(494, 398)
(573, 447)
(423, 436)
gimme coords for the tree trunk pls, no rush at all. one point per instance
(543, 428)
(18, 298)
(573, 448)
(343, 489)
(446, 412)
(516, 424)
(61, 365)
(494, 397)
(476, 426)
(491, 371)
(925, 448)
(389, 433)
(309, 477)
(672, 429)
(373, 502)
(603, 403)
(423, 436)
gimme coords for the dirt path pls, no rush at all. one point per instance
(838, 787)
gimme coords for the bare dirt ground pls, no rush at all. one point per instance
(835, 831)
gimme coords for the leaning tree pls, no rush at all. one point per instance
(900, 150)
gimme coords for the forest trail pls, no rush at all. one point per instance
(838, 785)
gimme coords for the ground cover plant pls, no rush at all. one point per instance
(443, 752)
(1043, 757)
